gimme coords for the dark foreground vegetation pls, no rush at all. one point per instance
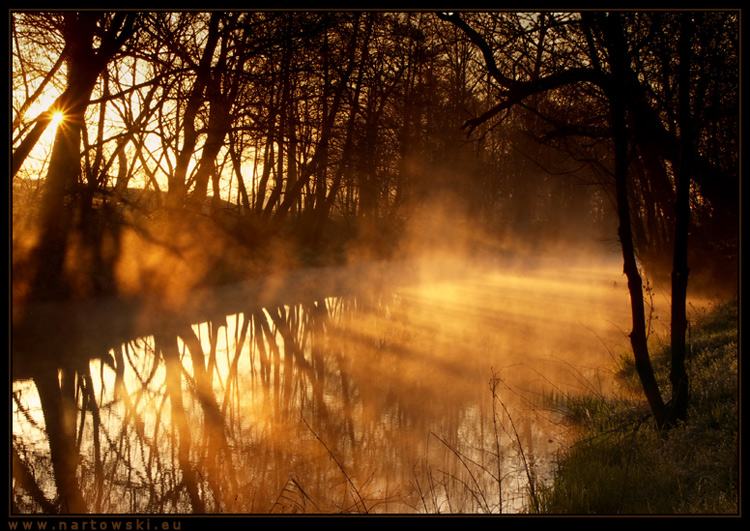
(620, 464)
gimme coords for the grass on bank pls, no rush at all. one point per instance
(620, 464)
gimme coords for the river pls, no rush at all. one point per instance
(418, 393)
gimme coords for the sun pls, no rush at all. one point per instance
(57, 118)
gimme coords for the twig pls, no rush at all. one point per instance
(339, 465)
(527, 468)
(480, 497)
(282, 495)
(499, 460)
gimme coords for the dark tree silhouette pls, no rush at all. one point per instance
(611, 40)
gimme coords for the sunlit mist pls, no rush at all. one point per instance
(382, 382)
(346, 262)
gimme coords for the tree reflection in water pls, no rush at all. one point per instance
(373, 403)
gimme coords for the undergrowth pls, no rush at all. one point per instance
(621, 464)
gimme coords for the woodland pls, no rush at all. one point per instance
(158, 154)
(324, 127)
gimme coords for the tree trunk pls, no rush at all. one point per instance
(680, 271)
(85, 62)
(638, 337)
(292, 192)
(178, 185)
(60, 424)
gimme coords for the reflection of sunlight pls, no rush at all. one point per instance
(28, 419)
(373, 376)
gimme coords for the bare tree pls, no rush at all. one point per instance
(92, 40)
(607, 47)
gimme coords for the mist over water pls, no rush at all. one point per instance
(344, 262)
(418, 383)
(374, 401)
(415, 383)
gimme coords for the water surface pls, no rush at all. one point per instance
(419, 396)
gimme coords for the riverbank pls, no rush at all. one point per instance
(619, 464)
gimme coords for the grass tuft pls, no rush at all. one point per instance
(620, 463)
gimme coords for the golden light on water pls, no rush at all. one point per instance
(202, 321)
(374, 376)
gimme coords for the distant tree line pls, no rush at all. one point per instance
(289, 117)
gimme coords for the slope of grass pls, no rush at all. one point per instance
(620, 464)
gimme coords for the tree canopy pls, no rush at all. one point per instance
(323, 125)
